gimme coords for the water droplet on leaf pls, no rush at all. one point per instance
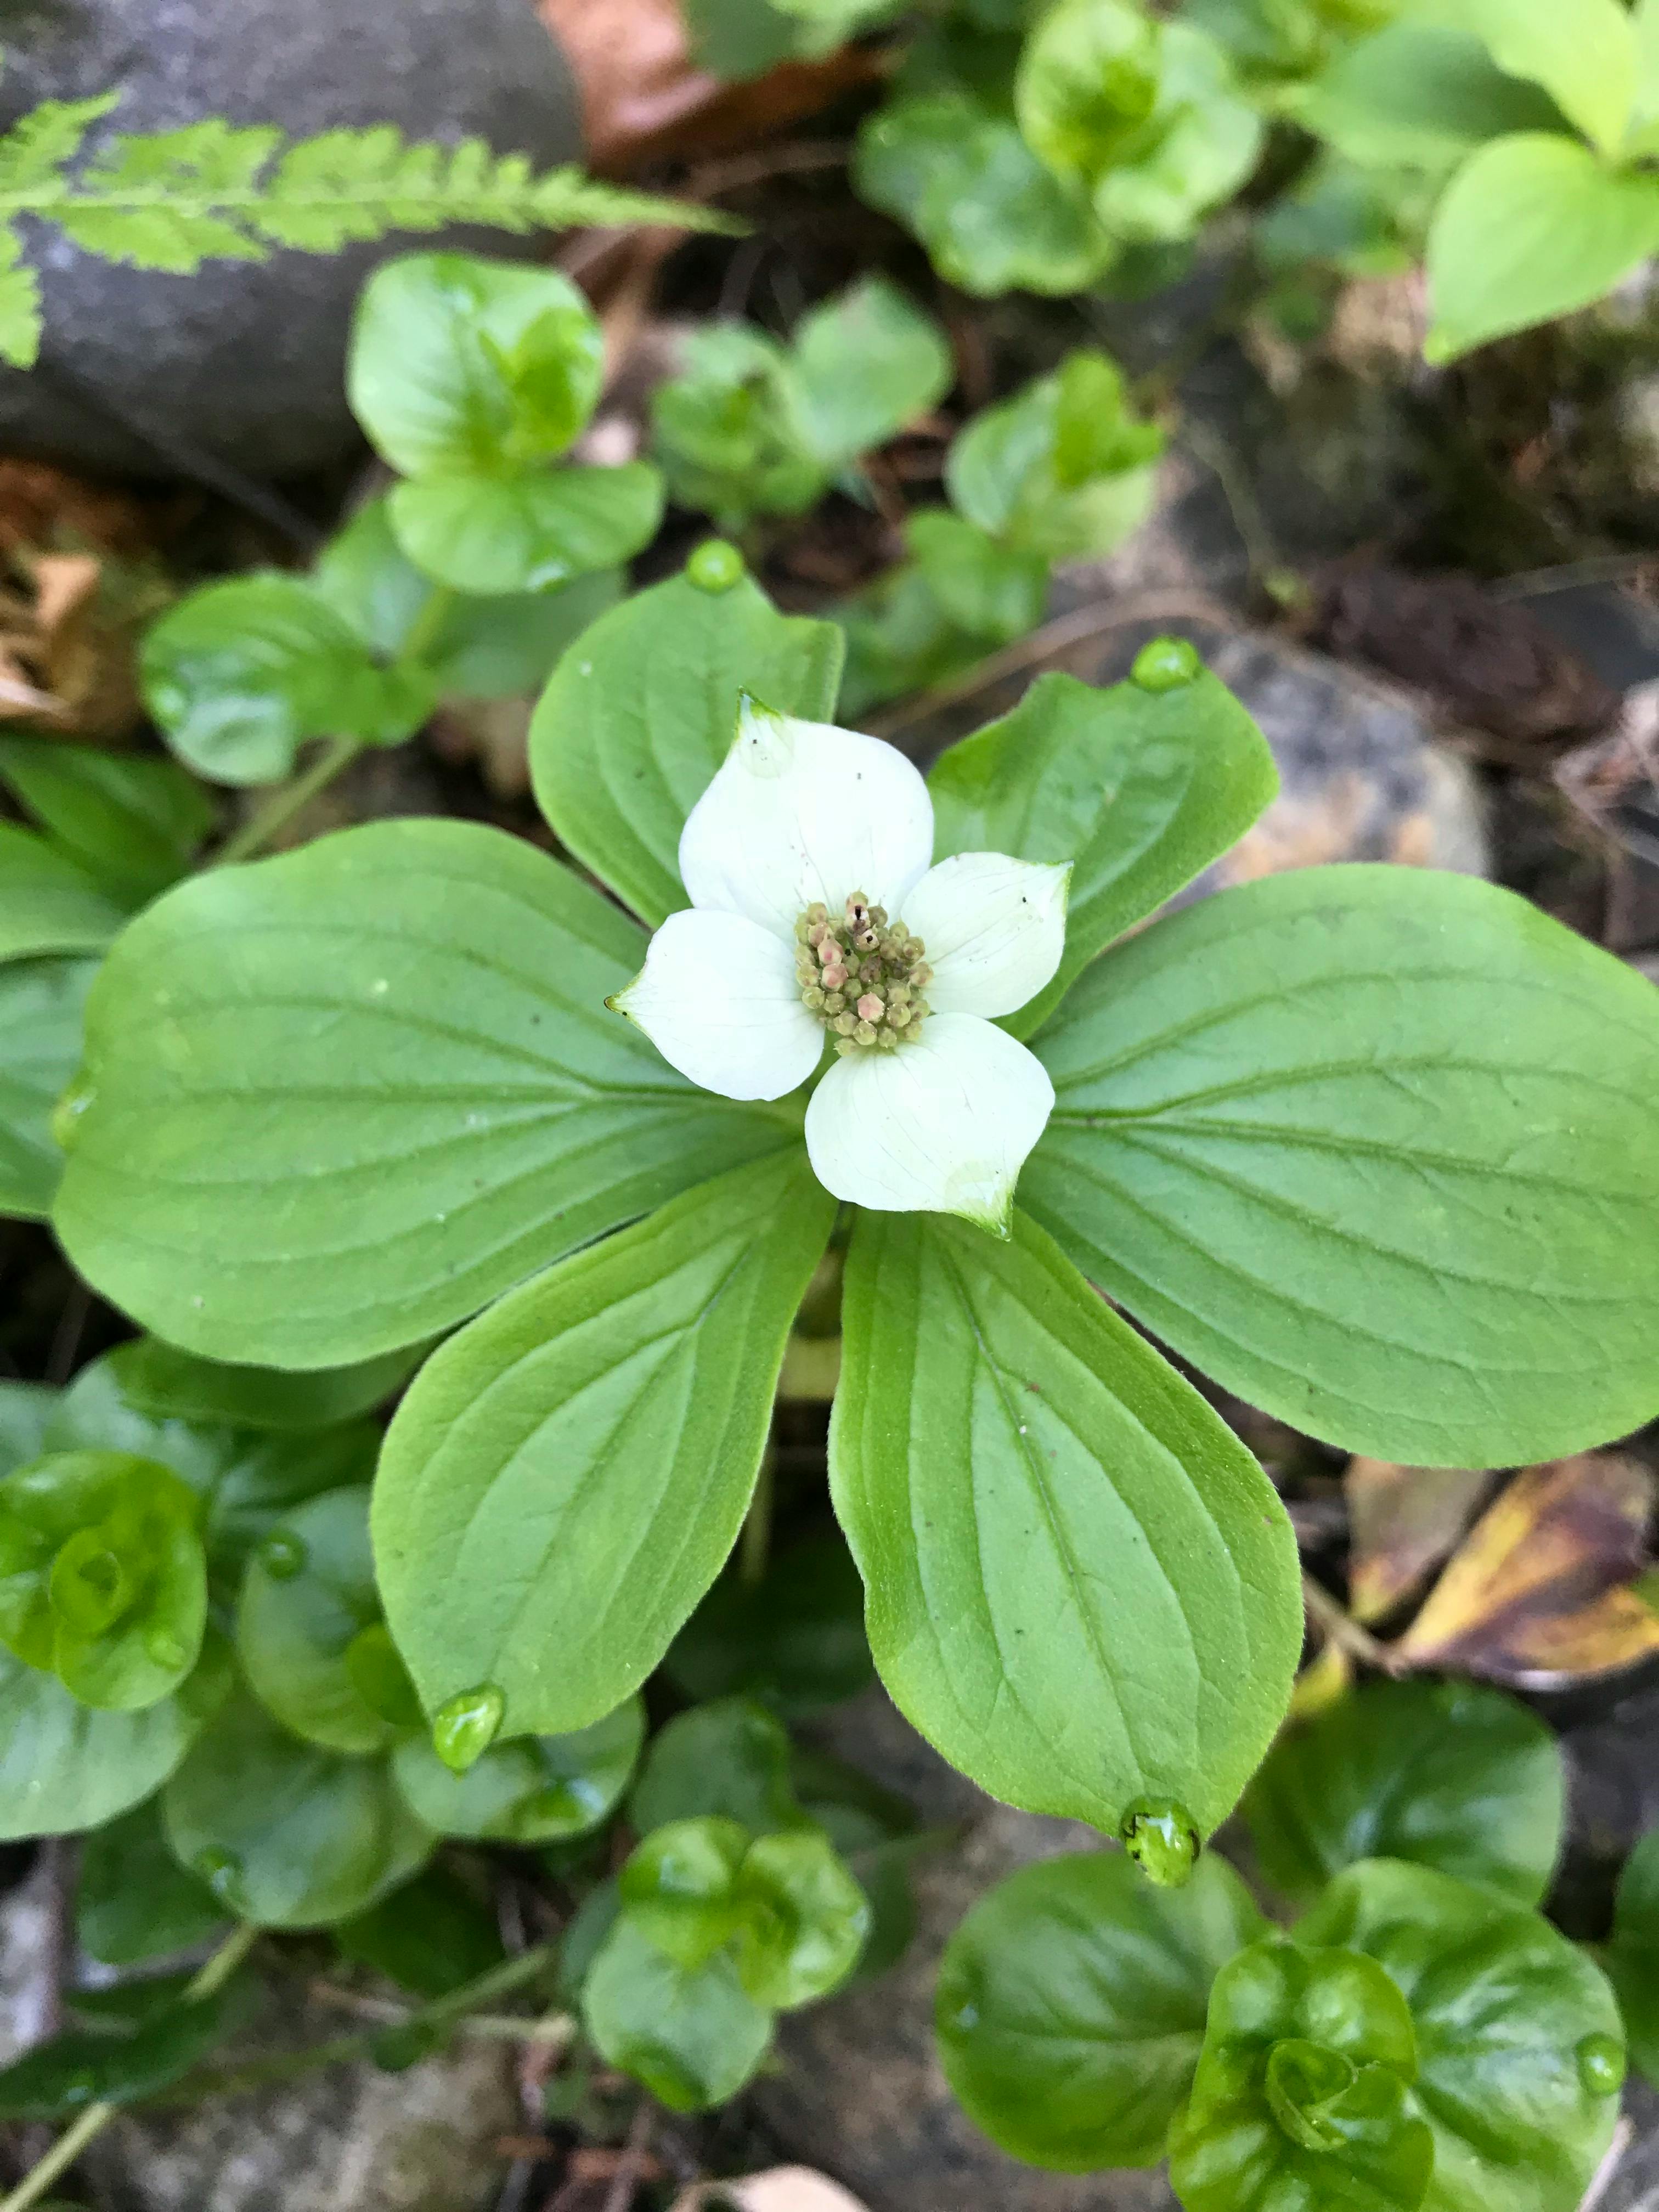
(1166, 665)
(715, 566)
(1601, 2064)
(221, 1871)
(67, 1113)
(283, 1555)
(1162, 1838)
(465, 1727)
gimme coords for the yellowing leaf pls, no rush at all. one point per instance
(1403, 1521)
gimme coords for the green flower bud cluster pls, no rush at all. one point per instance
(863, 975)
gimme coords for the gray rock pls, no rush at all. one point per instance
(241, 364)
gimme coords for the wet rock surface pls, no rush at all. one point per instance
(241, 364)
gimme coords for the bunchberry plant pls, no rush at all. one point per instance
(1421, 2035)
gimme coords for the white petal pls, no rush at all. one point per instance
(994, 929)
(718, 998)
(942, 1125)
(802, 810)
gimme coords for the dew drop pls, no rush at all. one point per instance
(1601, 2064)
(715, 566)
(1166, 665)
(1161, 1837)
(66, 1114)
(283, 1555)
(465, 1727)
(221, 1871)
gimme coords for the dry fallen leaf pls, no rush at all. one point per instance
(780, 2189)
(1539, 1588)
(1402, 1523)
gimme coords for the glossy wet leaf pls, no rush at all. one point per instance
(1539, 1587)
(133, 1900)
(41, 1003)
(564, 1479)
(530, 1790)
(125, 2054)
(103, 1579)
(461, 364)
(868, 363)
(534, 531)
(431, 1936)
(1633, 1955)
(1443, 1774)
(1063, 471)
(1081, 1588)
(131, 820)
(679, 1888)
(1402, 1523)
(1532, 227)
(1087, 84)
(344, 1097)
(1139, 790)
(158, 1380)
(1513, 2026)
(241, 673)
(795, 1640)
(64, 1767)
(308, 1605)
(1365, 1144)
(690, 2036)
(1201, 144)
(643, 709)
(1071, 2004)
(48, 902)
(729, 1759)
(286, 1834)
(803, 1919)
(1301, 2096)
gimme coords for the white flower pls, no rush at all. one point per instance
(817, 919)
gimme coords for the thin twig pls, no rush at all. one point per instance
(1343, 1629)
(713, 180)
(630, 2167)
(1601, 2180)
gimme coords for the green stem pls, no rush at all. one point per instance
(223, 1964)
(280, 809)
(427, 624)
(756, 1542)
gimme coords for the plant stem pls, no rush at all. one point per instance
(224, 1964)
(1342, 1627)
(756, 1543)
(280, 809)
(427, 624)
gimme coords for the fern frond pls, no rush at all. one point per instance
(39, 143)
(19, 304)
(217, 191)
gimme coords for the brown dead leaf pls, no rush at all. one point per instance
(1402, 1523)
(780, 2189)
(1539, 1588)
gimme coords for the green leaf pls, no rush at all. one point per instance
(25, 1409)
(432, 1936)
(1300, 2097)
(804, 1919)
(239, 674)
(48, 902)
(1141, 790)
(477, 648)
(1087, 85)
(285, 1834)
(678, 1887)
(692, 2037)
(533, 1790)
(992, 591)
(1632, 1956)
(386, 1088)
(458, 364)
(1583, 52)
(1418, 96)
(158, 1380)
(1365, 1144)
(729, 1759)
(739, 39)
(1198, 146)
(565, 1477)
(133, 1901)
(727, 429)
(1081, 1588)
(1071, 2005)
(642, 711)
(1532, 227)
(992, 217)
(794, 1639)
(308, 1606)
(140, 2040)
(20, 303)
(1519, 2047)
(64, 1767)
(131, 821)
(102, 1576)
(530, 533)
(899, 639)
(1445, 1774)
(41, 1010)
(868, 363)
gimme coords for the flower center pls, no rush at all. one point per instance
(862, 975)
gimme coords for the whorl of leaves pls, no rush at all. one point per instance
(219, 190)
